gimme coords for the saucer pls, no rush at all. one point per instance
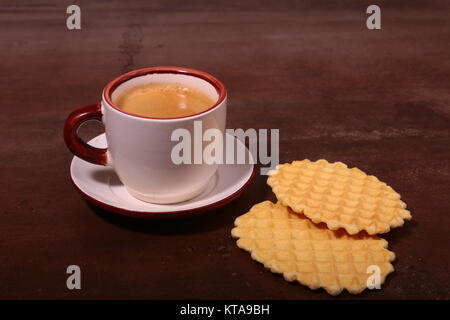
(101, 186)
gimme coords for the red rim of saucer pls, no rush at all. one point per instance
(171, 214)
(110, 87)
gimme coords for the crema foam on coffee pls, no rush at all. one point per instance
(163, 100)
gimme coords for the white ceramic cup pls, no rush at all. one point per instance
(139, 148)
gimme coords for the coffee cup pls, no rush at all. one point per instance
(140, 147)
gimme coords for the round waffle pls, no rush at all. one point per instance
(290, 244)
(338, 196)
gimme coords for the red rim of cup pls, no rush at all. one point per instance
(110, 87)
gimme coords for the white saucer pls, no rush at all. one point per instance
(101, 186)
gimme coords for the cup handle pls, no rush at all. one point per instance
(75, 144)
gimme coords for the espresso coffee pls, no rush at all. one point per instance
(163, 100)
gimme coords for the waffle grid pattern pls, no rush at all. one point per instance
(290, 244)
(339, 196)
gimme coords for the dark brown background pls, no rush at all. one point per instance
(378, 100)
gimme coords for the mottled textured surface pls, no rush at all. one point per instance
(377, 100)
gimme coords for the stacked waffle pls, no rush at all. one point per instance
(322, 231)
